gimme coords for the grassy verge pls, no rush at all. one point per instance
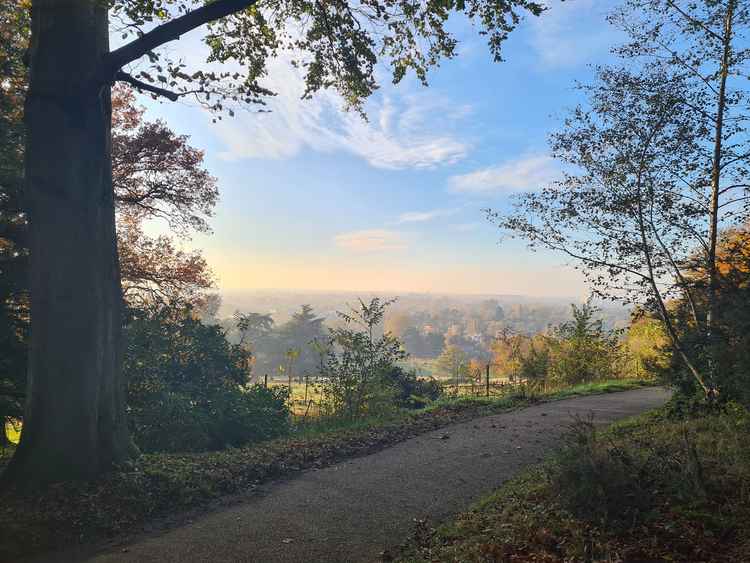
(652, 489)
(157, 485)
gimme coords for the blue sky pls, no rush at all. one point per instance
(315, 198)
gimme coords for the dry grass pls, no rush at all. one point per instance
(653, 489)
(160, 484)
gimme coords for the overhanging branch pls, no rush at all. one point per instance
(167, 32)
(125, 77)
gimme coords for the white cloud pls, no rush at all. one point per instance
(408, 127)
(572, 33)
(370, 240)
(411, 130)
(422, 216)
(523, 174)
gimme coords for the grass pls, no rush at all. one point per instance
(425, 367)
(157, 485)
(654, 488)
(13, 432)
(308, 404)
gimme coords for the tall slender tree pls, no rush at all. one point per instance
(659, 165)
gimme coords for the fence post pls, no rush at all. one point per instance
(487, 380)
(265, 381)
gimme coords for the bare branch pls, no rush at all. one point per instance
(140, 85)
(694, 21)
(733, 201)
(732, 187)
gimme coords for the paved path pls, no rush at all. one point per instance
(353, 510)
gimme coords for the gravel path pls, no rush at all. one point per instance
(354, 510)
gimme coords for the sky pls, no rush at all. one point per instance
(315, 198)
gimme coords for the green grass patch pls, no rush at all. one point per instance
(13, 432)
(156, 485)
(653, 488)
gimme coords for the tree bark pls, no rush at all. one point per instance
(74, 423)
(4, 441)
(713, 276)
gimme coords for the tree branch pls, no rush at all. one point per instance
(694, 21)
(140, 85)
(170, 31)
(732, 187)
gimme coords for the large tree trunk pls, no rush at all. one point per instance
(74, 425)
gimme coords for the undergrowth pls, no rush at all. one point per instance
(655, 488)
(157, 485)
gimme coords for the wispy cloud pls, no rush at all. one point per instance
(404, 130)
(523, 174)
(560, 39)
(370, 240)
(423, 216)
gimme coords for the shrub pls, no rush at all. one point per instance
(354, 361)
(411, 392)
(258, 413)
(582, 349)
(615, 479)
(187, 386)
(597, 481)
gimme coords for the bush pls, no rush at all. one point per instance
(615, 479)
(354, 361)
(259, 413)
(582, 350)
(187, 386)
(411, 392)
(597, 481)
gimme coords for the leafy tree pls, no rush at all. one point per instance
(536, 363)
(658, 165)
(475, 373)
(647, 346)
(154, 270)
(208, 308)
(582, 349)
(356, 362)
(453, 363)
(74, 268)
(157, 175)
(508, 349)
(421, 345)
(298, 334)
(252, 326)
(732, 329)
(290, 360)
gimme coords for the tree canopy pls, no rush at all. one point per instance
(336, 44)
